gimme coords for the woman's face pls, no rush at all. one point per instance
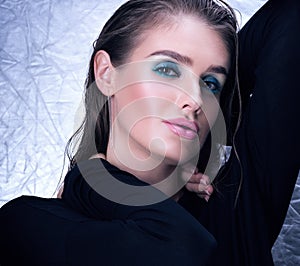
(166, 98)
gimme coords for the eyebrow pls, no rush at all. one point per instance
(178, 57)
(188, 61)
(217, 70)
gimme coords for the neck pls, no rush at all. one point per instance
(152, 170)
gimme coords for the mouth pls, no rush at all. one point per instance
(183, 128)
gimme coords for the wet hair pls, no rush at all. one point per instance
(120, 35)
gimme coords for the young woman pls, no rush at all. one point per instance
(158, 75)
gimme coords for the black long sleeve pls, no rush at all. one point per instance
(269, 69)
(267, 143)
(85, 228)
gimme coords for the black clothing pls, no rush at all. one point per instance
(268, 141)
(84, 228)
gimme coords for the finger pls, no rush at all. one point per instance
(209, 189)
(203, 196)
(205, 180)
(206, 198)
(192, 187)
(199, 188)
(200, 178)
(202, 193)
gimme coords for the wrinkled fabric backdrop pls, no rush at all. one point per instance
(45, 46)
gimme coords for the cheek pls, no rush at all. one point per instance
(144, 99)
(207, 119)
(211, 108)
(126, 102)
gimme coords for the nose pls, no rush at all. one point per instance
(190, 98)
(191, 104)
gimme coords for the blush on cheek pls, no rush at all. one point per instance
(210, 110)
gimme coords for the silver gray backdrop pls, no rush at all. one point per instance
(45, 47)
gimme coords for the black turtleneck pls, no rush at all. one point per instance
(86, 228)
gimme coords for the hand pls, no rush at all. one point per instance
(201, 185)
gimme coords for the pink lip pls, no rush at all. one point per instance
(183, 127)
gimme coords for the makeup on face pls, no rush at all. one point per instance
(175, 64)
(166, 97)
(169, 69)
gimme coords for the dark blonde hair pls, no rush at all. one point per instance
(120, 35)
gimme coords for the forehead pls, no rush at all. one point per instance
(188, 36)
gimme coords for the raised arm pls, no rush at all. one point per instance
(270, 72)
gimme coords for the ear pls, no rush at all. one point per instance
(103, 70)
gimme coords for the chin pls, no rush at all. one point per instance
(177, 157)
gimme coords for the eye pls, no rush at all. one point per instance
(212, 84)
(167, 69)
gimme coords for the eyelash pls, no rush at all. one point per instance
(212, 81)
(170, 69)
(167, 69)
